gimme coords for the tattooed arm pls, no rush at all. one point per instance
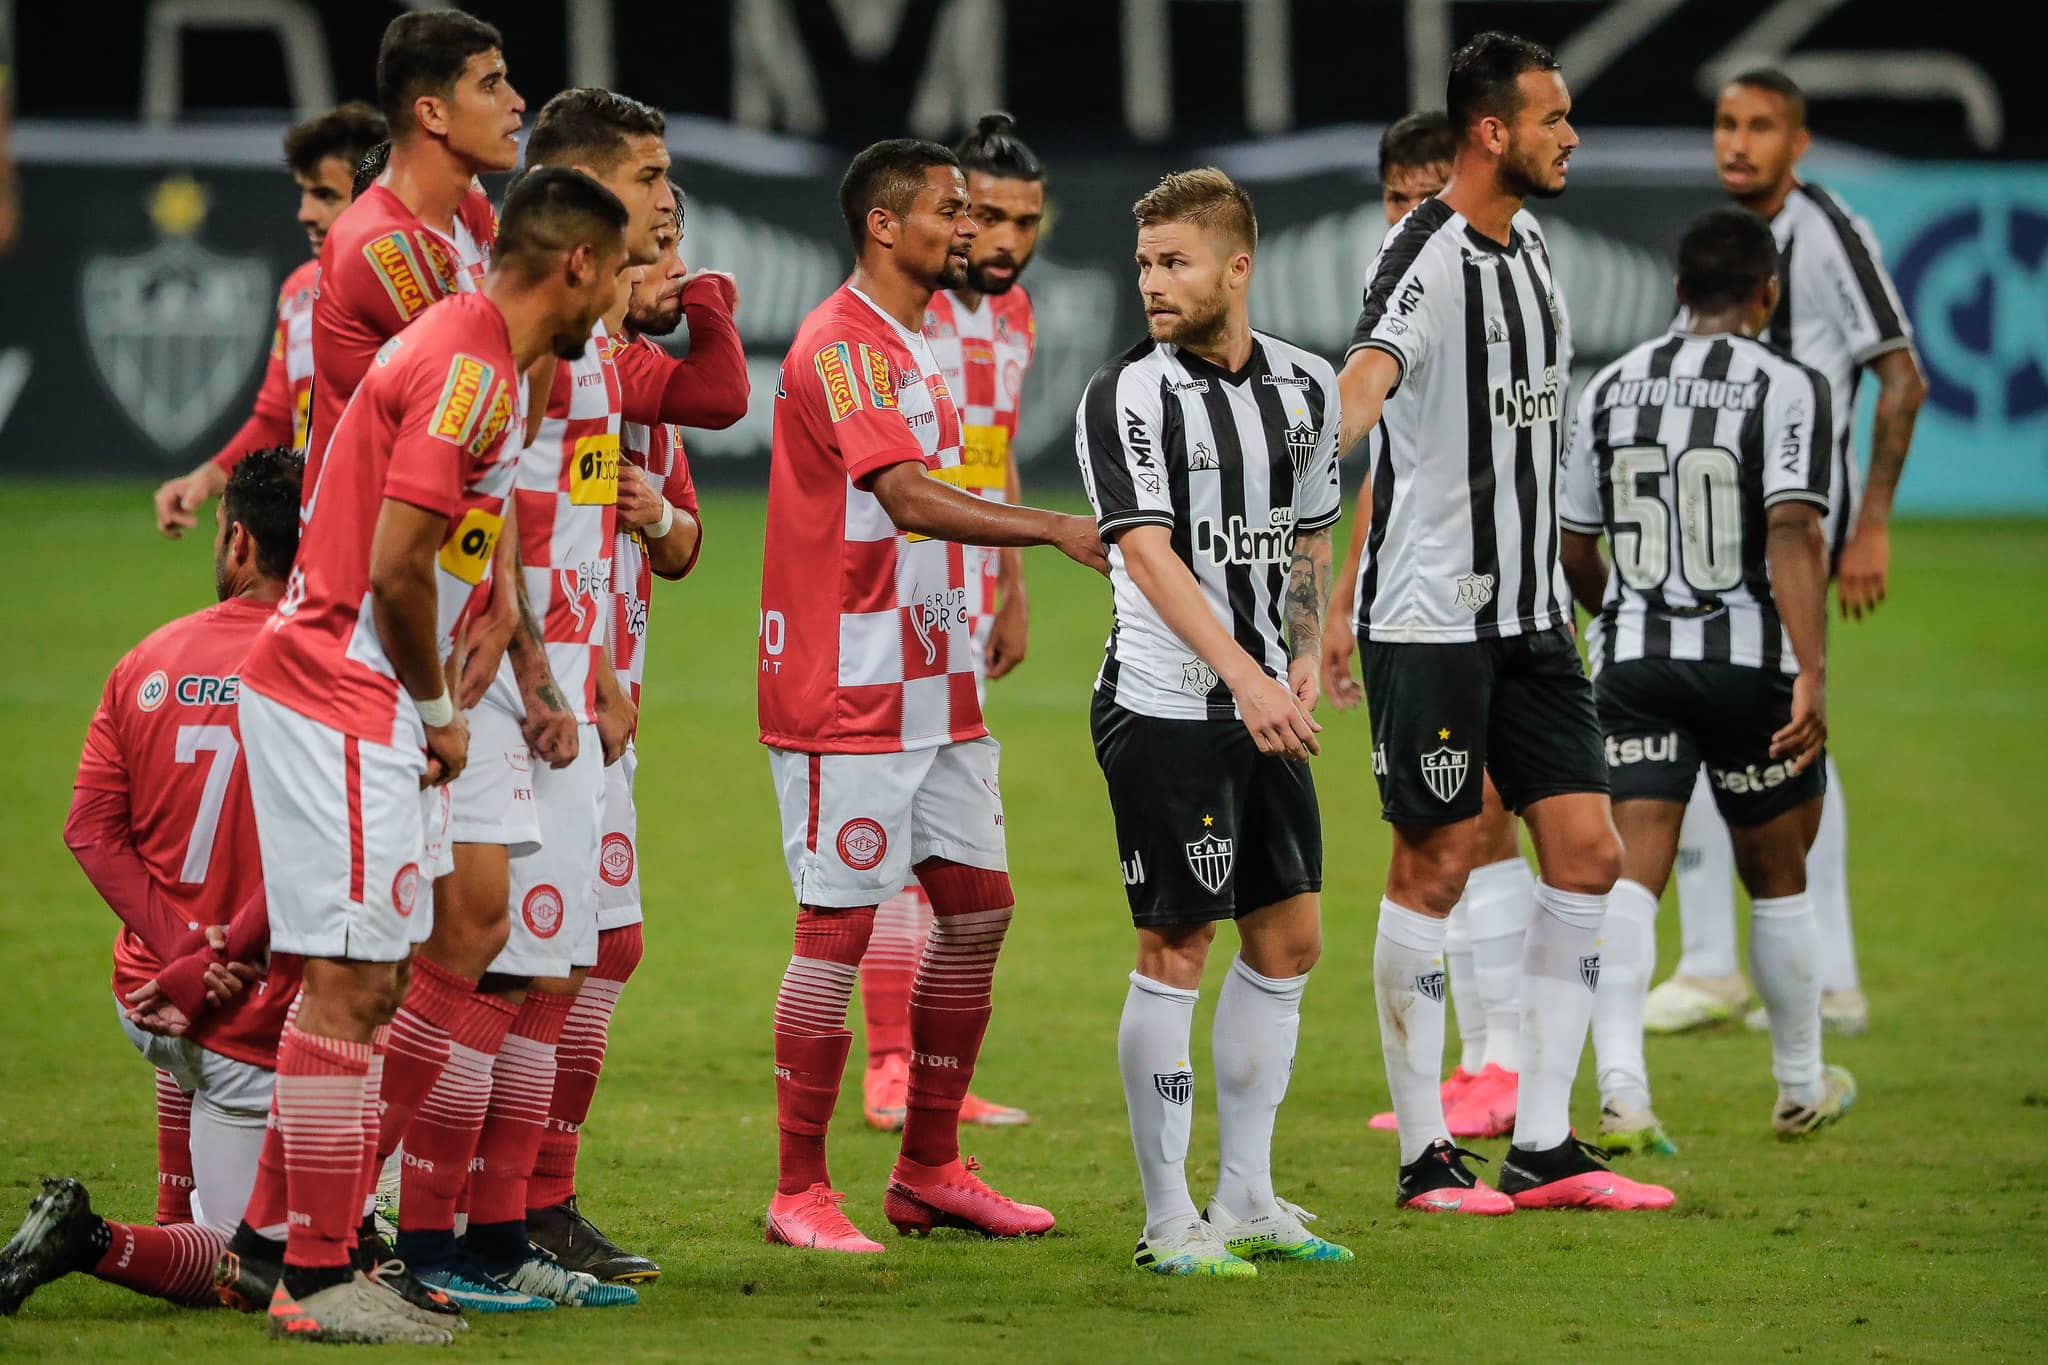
(1308, 595)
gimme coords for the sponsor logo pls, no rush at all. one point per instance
(1793, 442)
(1474, 590)
(1138, 442)
(1642, 749)
(984, 456)
(467, 552)
(1496, 332)
(1443, 770)
(1197, 678)
(1210, 857)
(398, 269)
(862, 843)
(519, 760)
(835, 368)
(1134, 869)
(461, 402)
(417, 1163)
(1189, 386)
(1431, 984)
(446, 273)
(1201, 457)
(1751, 778)
(542, 911)
(1447, 1205)
(1589, 971)
(405, 888)
(592, 578)
(154, 689)
(1723, 394)
(929, 1059)
(615, 859)
(1379, 760)
(1410, 297)
(195, 689)
(1285, 381)
(938, 613)
(1391, 327)
(1175, 1087)
(1523, 406)
(782, 1073)
(874, 368)
(594, 471)
(1242, 544)
(492, 428)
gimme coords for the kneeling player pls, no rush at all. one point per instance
(1702, 455)
(1203, 746)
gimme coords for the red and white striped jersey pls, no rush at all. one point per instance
(658, 450)
(282, 399)
(865, 637)
(984, 353)
(567, 495)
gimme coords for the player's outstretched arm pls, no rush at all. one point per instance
(1368, 376)
(1866, 557)
(404, 604)
(927, 507)
(1308, 597)
(1277, 722)
(1797, 554)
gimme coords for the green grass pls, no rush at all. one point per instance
(1915, 1231)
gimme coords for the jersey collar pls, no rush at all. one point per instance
(1254, 364)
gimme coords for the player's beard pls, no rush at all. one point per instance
(220, 574)
(1526, 177)
(980, 283)
(569, 345)
(1201, 322)
(655, 322)
(952, 275)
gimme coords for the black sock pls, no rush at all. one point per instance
(252, 1245)
(303, 1280)
(425, 1249)
(500, 1246)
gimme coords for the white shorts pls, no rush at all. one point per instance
(341, 826)
(437, 850)
(233, 1086)
(853, 825)
(230, 1109)
(491, 802)
(554, 886)
(618, 852)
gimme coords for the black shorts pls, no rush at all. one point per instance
(1518, 707)
(1665, 717)
(1207, 827)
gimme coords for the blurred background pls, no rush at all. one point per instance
(152, 218)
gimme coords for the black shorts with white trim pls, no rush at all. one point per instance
(1517, 707)
(1207, 827)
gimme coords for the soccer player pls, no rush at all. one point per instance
(1704, 457)
(1839, 313)
(1465, 628)
(345, 708)
(882, 765)
(983, 334)
(162, 826)
(1483, 937)
(1209, 451)
(323, 153)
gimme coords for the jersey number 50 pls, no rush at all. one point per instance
(1704, 488)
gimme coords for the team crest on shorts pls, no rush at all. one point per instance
(154, 689)
(1209, 857)
(615, 859)
(1475, 590)
(1175, 1087)
(1431, 984)
(862, 844)
(1444, 770)
(405, 888)
(542, 910)
(1589, 971)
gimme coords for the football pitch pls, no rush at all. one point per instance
(1916, 1230)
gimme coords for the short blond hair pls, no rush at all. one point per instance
(1205, 197)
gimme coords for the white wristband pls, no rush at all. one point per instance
(667, 522)
(436, 712)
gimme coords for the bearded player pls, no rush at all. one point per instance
(869, 703)
(983, 334)
(1483, 937)
(323, 153)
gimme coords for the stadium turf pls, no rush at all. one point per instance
(1917, 1230)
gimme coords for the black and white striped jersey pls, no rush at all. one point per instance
(1677, 449)
(1234, 465)
(1463, 542)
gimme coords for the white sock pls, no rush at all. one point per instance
(1706, 888)
(1408, 986)
(1500, 898)
(1465, 1002)
(1827, 885)
(1784, 952)
(1628, 952)
(1159, 1093)
(1560, 967)
(1257, 1020)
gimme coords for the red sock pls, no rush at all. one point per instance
(579, 1060)
(441, 1140)
(173, 1151)
(373, 1118)
(319, 1109)
(522, 1084)
(811, 1040)
(413, 1053)
(950, 1002)
(901, 925)
(174, 1263)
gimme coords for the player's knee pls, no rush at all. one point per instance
(1176, 956)
(1594, 867)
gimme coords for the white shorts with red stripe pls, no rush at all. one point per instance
(618, 852)
(341, 825)
(853, 825)
(492, 801)
(554, 886)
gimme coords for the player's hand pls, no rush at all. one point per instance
(550, 726)
(447, 752)
(1860, 578)
(1078, 539)
(639, 504)
(1009, 636)
(727, 284)
(178, 500)
(1276, 720)
(616, 717)
(152, 1012)
(484, 638)
(1340, 645)
(1304, 679)
(1802, 737)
